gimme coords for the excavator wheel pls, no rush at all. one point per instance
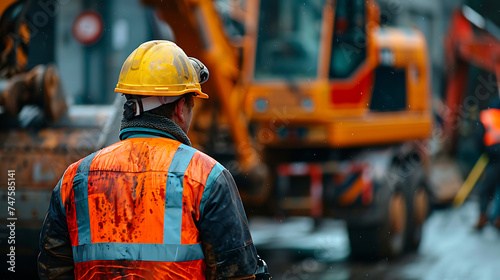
(387, 238)
(418, 201)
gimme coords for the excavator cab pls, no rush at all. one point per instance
(332, 97)
(289, 44)
(310, 64)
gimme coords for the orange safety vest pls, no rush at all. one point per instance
(491, 121)
(131, 210)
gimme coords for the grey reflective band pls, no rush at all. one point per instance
(137, 252)
(81, 191)
(172, 222)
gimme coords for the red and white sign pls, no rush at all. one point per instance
(88, 27)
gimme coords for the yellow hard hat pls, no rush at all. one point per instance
(161, 68)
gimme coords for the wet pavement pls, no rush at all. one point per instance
(450, 249)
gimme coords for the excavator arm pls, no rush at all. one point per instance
(199, 31)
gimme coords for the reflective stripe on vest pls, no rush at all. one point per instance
(491, 121)
(172, 223)
(137, 252)
(80, 187)
(170, 251)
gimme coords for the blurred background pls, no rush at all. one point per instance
(350, 126)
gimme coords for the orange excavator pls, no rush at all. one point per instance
(316, 110)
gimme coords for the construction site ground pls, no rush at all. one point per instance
(450, 249)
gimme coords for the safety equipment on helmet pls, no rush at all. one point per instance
(201, 70)
(161, 68)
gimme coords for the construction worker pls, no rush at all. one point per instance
(490, 144)
(149, 206)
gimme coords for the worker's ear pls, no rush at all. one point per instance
(179, 107)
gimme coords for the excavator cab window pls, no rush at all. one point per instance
(349, 38)
(288, 39)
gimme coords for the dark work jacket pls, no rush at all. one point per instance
(148, 206)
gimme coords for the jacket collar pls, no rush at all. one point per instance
(150, 125)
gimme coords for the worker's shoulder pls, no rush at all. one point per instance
(72, 169)
(199, 156)
(203, 163)
(136, 145)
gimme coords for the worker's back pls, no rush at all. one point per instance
(137, 208)
(150, 206)
(137, 219)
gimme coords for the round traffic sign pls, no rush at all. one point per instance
(88, 27)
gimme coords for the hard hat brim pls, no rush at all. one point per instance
(196, 93)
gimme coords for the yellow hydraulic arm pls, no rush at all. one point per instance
(199, 31)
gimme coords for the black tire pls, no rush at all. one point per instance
(387, 239)
(418, 201)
